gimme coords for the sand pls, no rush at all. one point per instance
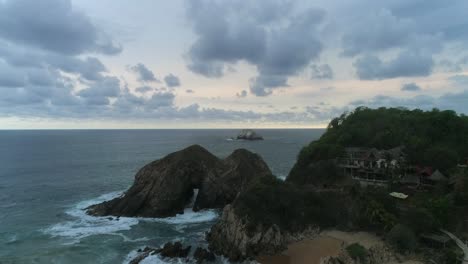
(306, 252)
(311, 251)
(328, 243)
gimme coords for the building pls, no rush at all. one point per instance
(371, 166)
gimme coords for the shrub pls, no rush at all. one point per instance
(270, 201)
(357, 252)
(403, 239)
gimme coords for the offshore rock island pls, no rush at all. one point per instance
(397, 177)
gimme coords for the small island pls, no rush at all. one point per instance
(249, 134)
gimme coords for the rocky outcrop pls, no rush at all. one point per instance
(222, 184)
(249, 134)
(232, 237)
(202, 255)
(174, 250)
(168, 250)
(165, 187)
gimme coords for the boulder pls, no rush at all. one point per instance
(174, 250)
(202, 255)
(165, 187)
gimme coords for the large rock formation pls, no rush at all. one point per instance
(164, 187)
(222, 184)
(232, 237)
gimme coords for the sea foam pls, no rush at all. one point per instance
(83, 225)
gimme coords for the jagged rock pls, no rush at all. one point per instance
(232, 237)
(144, 253)
(164, 187)
(222, 185)
(249, 134)
(174, 250)
(202, 255)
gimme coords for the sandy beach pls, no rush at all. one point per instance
(306, 251)
(329, 243)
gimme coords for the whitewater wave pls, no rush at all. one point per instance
(152, 259)
(83, 225)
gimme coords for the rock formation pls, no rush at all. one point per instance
(249, 134)
(232, 237)
(172, 250)
(164, 187)
(233, 175)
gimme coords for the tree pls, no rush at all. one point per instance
(403, 239)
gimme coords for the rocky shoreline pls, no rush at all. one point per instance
(237, 183)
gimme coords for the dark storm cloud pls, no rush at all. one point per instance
(59, 27)
(144, 74)
(410, 87)
(323, 71)
(406, 64)
(243, 31)
(171, 80)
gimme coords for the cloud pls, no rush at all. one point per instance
(323, 71)
(410, 87)
(377, 31)
(160, 99)
(9, 77)
(144, 89)
(245, 31)
(172, 80)
(242, 94)
(448, 101)
(406, 64)
(461, 80)
(59, 28)
(100, 92)
(144, 74)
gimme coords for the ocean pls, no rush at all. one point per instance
(47, 178)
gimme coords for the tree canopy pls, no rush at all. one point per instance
(431, 138)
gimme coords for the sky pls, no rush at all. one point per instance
(69, 64)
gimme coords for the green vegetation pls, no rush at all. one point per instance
(403, 238)
(357, 252)
(461, 186)
(433, 138)
(438, 139)
(290, 207)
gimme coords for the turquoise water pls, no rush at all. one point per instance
(48, 177)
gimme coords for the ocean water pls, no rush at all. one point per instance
(48, 177)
